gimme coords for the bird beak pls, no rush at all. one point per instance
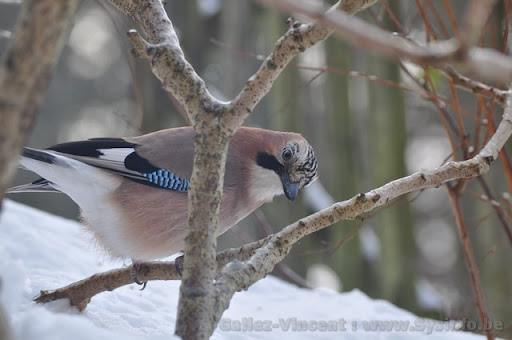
(290, 189)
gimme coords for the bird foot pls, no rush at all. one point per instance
(178, 264)
(136, 266)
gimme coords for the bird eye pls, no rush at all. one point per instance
(287, 154)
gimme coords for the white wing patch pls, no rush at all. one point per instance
(116, 154)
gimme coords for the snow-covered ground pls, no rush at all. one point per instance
(42, 251)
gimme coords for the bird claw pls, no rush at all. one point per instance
(133, 274)
(178, 264)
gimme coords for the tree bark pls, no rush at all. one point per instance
(25, 73)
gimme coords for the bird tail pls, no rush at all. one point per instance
(38, 155)
(41, 184)
(61, 173)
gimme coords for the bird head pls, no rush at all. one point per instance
(294, 162)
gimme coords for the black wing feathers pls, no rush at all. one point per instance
(91, 147)
(38, 155)
(136, 163)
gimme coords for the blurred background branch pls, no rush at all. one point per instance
(485, 62)
(25, 72)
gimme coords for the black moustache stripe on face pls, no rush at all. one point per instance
(268, 161)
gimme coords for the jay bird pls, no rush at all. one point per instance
(132, 192)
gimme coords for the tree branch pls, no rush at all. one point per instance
(484, 62)
(25, 72)
(81, 292)
(161, 47)
(469, 256)
(297, 39)
(468, 84)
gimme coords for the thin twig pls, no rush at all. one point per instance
(470, 261)
(426, 22)
(392, 16)
(499, 212)
(446, 120)
(449, 11)
(476, 87)
(460, 122)
(440, 22)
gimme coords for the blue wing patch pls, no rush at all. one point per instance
(167, 180)
(158, 177)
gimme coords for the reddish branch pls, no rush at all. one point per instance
(469, 256)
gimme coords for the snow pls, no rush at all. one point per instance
(41, 251)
